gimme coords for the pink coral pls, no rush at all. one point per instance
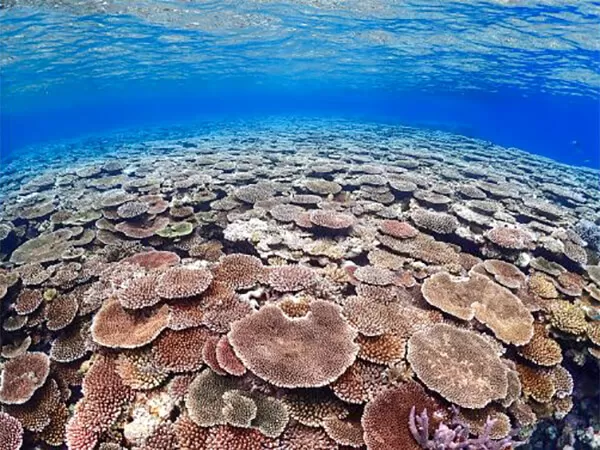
(22, 376)
(182, 282)
(309, 351)
(11, 436)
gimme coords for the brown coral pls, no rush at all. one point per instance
(331, 220)
(138, 370)
(397, 229)
(182, 282)
(61, 311)
(179, 351)
(385, 349)
(239, 271)
(360, 383)
(542, 350)
(447, 359)
(28, 301)
(227, 359)
(307, 352)
(436, 222)
(478, 297)
(104, 396)
(139, 293)
(291, 278)
(567, 317)
(22, 376)
(385, 419)
(153, 259)
(507, 274)
(374, 275)
(11, 437)
(511, 238)
(114, 327)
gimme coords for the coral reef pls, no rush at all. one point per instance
(219, 292)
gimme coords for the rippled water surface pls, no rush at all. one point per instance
(530, 66)
(299, 225)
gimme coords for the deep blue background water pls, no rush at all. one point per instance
(564, 128)
(518, 73)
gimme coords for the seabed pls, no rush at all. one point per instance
(298, 284)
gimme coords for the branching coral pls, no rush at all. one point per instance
(456, 436)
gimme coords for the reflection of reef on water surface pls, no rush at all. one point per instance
(297, 285)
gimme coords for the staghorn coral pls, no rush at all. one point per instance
(386, 418)
(456, 435)
(478, 297)
(447, 359)
(22, 376)
(114, 327)
(182, 282)
(310, 351)
(11, 437)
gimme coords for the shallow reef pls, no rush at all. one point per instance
(294, 285)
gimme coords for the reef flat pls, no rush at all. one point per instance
(295, 285)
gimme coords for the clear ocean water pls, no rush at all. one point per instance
(518, 73)
(299, 224)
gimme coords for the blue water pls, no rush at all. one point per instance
(523, 74)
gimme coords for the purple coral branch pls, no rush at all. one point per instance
(455, 436)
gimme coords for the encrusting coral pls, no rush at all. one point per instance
(217, 293)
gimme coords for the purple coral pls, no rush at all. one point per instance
(456, 435)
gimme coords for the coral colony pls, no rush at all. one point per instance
(307, 286)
